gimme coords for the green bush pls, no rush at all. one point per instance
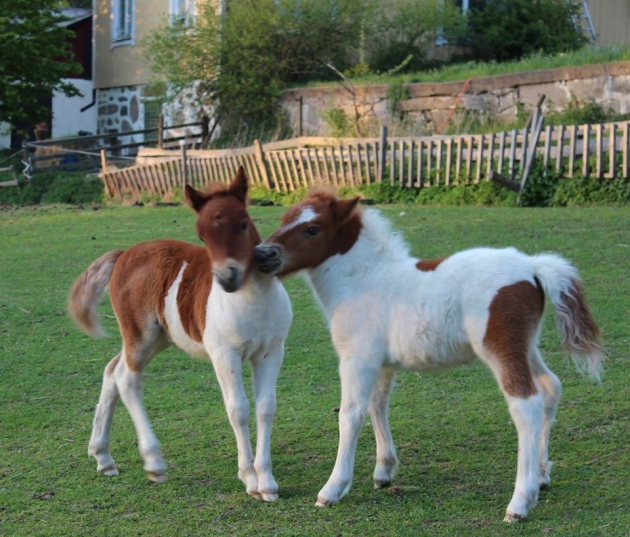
(503, 30)
(71, 188)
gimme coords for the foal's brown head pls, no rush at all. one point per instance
(226, 230)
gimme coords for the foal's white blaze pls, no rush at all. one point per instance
(305, 216)
(176, 331)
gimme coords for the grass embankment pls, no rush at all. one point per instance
(589, 55)
(454, 436)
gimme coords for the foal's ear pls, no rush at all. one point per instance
(238, 186)
(195, 199)
(343, 209)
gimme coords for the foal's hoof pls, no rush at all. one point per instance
(513, 517)
(323, 502)
(109, 471)
(269, 497)
(156, 477)
(382, 484)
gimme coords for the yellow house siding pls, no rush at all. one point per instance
(122, 65)
(611, 19)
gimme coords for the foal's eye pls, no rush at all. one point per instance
(201, 238)
(244, 226)
(312, 231)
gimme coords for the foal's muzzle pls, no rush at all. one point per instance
(268, 258)
(230, 277)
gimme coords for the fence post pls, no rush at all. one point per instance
(184, 173)
(382, 154)
(103, 160)
(160, 133)
(262, 166)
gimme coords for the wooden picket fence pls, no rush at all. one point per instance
(600, 150)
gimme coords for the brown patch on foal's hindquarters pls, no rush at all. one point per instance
(515, 313)
(428, 265)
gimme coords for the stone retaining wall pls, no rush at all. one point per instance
(430, 103)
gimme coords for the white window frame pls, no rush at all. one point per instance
(123, 34)
(182, 10)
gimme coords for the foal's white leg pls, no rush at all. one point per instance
(527, 414)
(129, 385)
(357, 381)
(549, 385)
(101, 428)
(386, 459)
(266, 369)
(228, 368)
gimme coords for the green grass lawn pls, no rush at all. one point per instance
(456, 443)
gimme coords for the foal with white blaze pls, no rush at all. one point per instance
(209, 301)
(389, 311)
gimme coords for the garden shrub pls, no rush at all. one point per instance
(71, 188)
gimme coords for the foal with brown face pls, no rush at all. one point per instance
(210, 302)
(390, 312)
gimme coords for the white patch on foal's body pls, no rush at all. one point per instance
(177, 334)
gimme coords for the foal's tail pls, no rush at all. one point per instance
(574, 320)
(87, 290)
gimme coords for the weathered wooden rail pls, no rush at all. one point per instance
(600, 151)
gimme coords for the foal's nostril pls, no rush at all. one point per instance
(267, 253)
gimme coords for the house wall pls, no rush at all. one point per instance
(5, 135)
(611, 19)
(67, 118)
(123, 65)
(430, 104)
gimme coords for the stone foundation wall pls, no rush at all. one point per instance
(121, 109)
(430, 104)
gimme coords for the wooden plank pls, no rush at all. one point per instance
(274, 175)
(586, 133)
(288, 171)
(612, 151)
(480, 141)
(469, 157)
(351, 166)
(310, 177)
(342, 165)
(260, 160)
(502, 138)
(547, 150)
(368, 175)
(438, 163)
(420, 160)
(490, 156)
(392, 170)
(297, 155)
(401, 162)
(599, 141)
(512, 155)
(531, 155)
(325, 166)
(374, 161)
(625, 141)
(524, 147)
(429, 181)
(572, 136)
(382, 154)
(359, 159)
(560, 149)
(449, 156)
(458, 159)
(410, 163)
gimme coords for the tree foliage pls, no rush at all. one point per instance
(510, 29)
(242, 61)
(36, 55)
(411, 28)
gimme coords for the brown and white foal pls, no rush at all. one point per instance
(210, 302)
(389, 311)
